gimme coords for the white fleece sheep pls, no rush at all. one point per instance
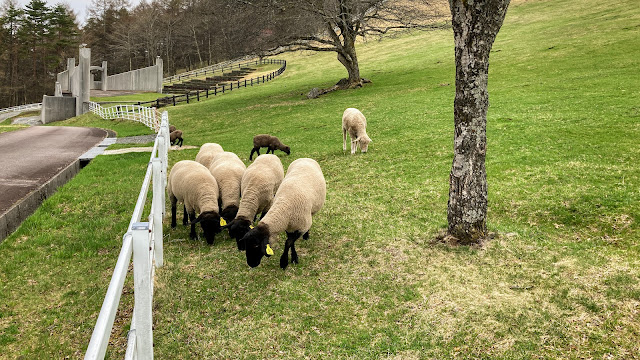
(228, 169)
(300, 195)
(207, 152)
(193, 184)
(258, 187)
(354, 123)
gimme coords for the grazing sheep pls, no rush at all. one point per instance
(193, 184)
(300, 195)
(207, 152)
(355, 124)
(228, 169)
(270, 142)
(176, 137)
(172, 128)
(258, 187)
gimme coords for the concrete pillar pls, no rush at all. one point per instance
(104, 76)
(85, 79)
(58, 90)
(71, 65)
(159, 69)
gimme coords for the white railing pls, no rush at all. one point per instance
(36, 106)
(143, 240)
(146, 115)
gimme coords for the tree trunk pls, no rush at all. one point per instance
(349, 59)
(475, 26)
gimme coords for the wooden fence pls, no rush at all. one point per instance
(219, 89)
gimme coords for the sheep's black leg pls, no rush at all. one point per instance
(180, 141)
(185, 218)
(255, 149)
(174, 209)
(263, 214)
(289, 244)
(306, 236)
(193, 234)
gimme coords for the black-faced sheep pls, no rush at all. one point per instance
(270, 142)
(300, 195)
(193, 184)
(172, 128)
(207, 152)
(259, 185)
(354, 123)
(176, 137)
(228, 169)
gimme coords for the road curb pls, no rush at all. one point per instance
(12, 218)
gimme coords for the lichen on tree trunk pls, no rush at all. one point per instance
(475, 26)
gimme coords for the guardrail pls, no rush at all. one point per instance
(35, 106)
(231, 64)
(143, 242)
(218, 90)
(146, 115)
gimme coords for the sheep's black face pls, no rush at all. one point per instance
(287, 150)
(256, 241)
(238, 228)
(229, 213)
(210, 222)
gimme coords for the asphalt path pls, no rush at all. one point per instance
(32, 156)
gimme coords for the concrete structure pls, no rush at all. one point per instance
(79, 81)
(145, 79)
(56, 108)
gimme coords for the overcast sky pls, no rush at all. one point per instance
(79, 6)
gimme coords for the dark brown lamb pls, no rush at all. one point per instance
(176, 137)
(270, 142)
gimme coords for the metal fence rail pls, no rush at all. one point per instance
(143, 242)
(36, 106)
(146, 115)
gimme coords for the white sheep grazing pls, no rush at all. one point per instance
(300, 195)
(354, 123)
(259, 185)
(193, 184)
(207, 152)
(228, 169)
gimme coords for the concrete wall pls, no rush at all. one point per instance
(55, 108)
(12, 218)
(145, 79)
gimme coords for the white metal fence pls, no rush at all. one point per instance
(143, 241)
(36, 106)
(146, 115)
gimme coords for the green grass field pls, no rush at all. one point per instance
(559, 280)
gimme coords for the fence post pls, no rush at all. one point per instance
(174, 100)
(215, 91)
(198, 95)
(142, 290)
(223, 88)
(187, 97)
(251, 81)
(207, 93)
(157, 203)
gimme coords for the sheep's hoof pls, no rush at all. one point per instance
(294, 259)
(284, 262)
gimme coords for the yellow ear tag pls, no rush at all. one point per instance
(250, 226)
(222, 222)
(269, 250)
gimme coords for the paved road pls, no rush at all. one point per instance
(30, 157)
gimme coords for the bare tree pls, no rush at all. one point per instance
(335, 25)
(475, 26)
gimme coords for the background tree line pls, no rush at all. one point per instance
(187, 34)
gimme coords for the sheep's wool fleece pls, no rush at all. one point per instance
(192, 183)
(354, 122)
(207, 152)
(259, 185)
(300, 195)
(228, 169)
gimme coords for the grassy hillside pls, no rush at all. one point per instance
(559, 280)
